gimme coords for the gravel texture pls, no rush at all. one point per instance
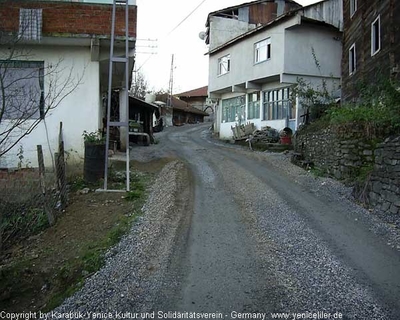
(133, 272)
(336, 191)
(305, 270)
(312, 277)
(378, 222)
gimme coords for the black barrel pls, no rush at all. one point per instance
(93, 168)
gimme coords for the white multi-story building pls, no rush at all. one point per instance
(58, 62)
(252, 74)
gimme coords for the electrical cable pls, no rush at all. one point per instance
(176, 27)
(194, 10)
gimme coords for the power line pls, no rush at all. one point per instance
(193, 11)
(176, 27)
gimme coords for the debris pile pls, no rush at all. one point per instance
(265, 135)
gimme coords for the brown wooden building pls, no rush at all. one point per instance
(197, 98)
(371, 44)
(182, 112)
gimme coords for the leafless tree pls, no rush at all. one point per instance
(139, 87)
(29, 89)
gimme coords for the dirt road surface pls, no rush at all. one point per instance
(265, 238)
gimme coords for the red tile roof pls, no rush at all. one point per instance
(181, 105)
(199, 92)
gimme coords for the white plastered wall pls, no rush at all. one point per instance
(291, 58)
(78, 111)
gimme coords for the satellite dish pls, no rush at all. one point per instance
(202, 35)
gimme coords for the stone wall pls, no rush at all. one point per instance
(339, 154)
(343, 155)
(385, 178)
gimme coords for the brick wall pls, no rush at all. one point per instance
(70, 18)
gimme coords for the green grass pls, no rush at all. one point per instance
(71, 275)
(318, 172)
(91, 259)
(18, 222)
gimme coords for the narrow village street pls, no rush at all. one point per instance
(248, 235)
(263, 238)
(132, 181)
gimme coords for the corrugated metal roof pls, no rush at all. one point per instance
(328, 11)
(310, 13)
(247, 34)
(242, 5)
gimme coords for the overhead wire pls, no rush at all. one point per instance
(193, 11)
(173, 29)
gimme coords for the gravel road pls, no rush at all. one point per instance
(238, 234)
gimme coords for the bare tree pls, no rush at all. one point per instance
(29, 89)
(139, 87)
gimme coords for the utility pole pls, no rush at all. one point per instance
(171, 83)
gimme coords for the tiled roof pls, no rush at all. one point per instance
(199, 92)
(180, 105)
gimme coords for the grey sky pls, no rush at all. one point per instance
(156, 20)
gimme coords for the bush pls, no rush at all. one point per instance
(378, 110)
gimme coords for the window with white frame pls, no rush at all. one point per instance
(376, 36)
(224, 64)
(233, 109)
(262, 50)
(277, 105)
(352, 59)
(22, 89)
(353, 7)
(253, 109)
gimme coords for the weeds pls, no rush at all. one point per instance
(318, 172)
(67, 276)
(18, 221)
(78, 184)
(90, 260)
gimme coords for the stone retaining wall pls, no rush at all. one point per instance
(344, 155)
(339, 155)
(385, 178)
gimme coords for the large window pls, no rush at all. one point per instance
(233, 110)
(277, 105)
(224, 64)
(262, 50)
(352, 59)
(353, 7)
(21, 89)
(253, 105)
(376, 36)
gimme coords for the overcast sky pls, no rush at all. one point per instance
(158, 20)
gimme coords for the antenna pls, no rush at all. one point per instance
(202, 35)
